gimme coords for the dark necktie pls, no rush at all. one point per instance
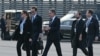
(76, 23)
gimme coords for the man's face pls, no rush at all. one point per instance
(88, 14)
(51, 14)
(77, 15)
(33, 11)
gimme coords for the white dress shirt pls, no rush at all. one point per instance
(22, 26)
(87, 23)
(53, 19)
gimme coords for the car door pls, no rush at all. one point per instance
(66, 28)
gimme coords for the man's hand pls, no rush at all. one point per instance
(46, 28)
(96, 38)
(40, 35)
(49, 28)
(43, 28)
(80, 37)
(30, 40)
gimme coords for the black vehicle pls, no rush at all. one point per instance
(65, 28)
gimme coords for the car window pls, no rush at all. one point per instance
(68, 23)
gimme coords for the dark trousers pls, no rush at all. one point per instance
(83, 50)
(57, 45)
(34, 44)
(19, 44)
(90, 40)
(90, 49)
(3, 34)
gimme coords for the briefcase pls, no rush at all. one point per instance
(39, 45)
(24, 46)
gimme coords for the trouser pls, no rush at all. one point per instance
(57, 45)
(90, 39)
(34, 44)
(2, 34)
(19, 44)
(83, 50)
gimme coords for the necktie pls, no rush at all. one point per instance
(88, 22)
(32, 19)
(76, 26)
(76, 23)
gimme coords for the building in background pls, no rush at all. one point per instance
(62, 7)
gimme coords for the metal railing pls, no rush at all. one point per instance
(61, 7)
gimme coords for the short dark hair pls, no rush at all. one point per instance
(26, 13)
(34, 7)
(90, 11)
(53, 11)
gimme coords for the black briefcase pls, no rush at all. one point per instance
(24, 46)
(40, 44)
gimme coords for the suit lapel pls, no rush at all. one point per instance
(24, 24)
(34, 19)
(53, 20)
(78, 23)
(91, 22)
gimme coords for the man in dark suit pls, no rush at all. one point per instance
(77, 40)
(92, 30)
(36, 29)
(53, 33)
(3, 27)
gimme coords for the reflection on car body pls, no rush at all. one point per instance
(65, 27)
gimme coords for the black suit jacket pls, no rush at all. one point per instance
(54, 32)
(37, 24)
(75, 35)
(93, 28)
(3, 24)
(26, 31)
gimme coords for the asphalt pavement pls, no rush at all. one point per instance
(8, 48)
